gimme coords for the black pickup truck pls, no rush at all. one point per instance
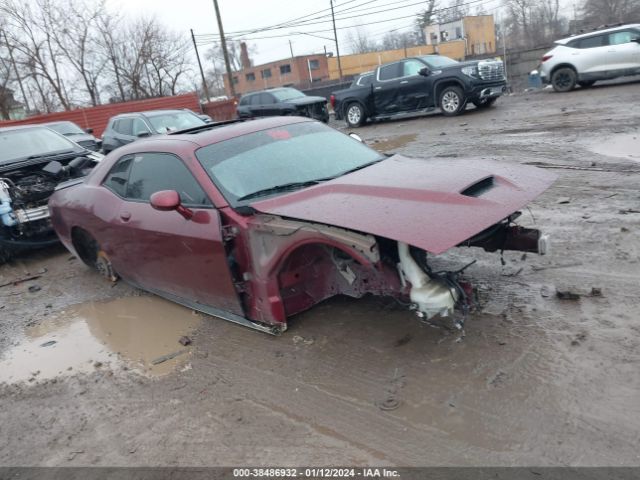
(421, 84)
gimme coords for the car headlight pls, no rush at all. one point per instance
(471, 71)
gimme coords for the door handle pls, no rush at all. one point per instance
(125, 216)
(404, 81)
(377, 88)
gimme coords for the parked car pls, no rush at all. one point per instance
(128, 127)
(257, 221)
(600, 55)
(34, 160)
(84, 138)
(282, 101)
(421, 84)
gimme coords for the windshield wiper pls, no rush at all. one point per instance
(351, 170)
(278, 188)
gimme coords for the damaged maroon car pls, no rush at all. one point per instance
(257, 221)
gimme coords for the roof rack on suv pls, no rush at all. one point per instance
(600, 27)
(208, 126)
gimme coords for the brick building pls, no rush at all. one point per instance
(300, 72)
(478, 33)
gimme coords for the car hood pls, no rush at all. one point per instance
(306, 100)
(430, 204)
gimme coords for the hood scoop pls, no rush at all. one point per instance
(479, 188)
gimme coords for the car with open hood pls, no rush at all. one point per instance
(34, 160)
(257, 221)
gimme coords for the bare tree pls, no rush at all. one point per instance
(396, 41)
(425, 17)
(599, 12)
(359, 41)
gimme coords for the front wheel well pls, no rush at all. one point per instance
(442, 85)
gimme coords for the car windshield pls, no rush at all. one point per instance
(437, 61)
(286, 94)
(30, 142)
(66, 128)
(281, 156)
(172, 121)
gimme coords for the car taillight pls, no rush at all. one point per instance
(332, 101)
(546, 57)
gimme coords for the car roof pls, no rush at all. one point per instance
(564, 41)
(23, 127)
(149, 113)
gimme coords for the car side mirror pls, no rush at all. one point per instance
(357, 137)
(168, 200)
(89, 130)
(636, 39)
(424, 71)
(143, 134)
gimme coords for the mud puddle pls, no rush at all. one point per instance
(137, 333)
(624, 145)
(389, 144)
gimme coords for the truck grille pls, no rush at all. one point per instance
(493, 70)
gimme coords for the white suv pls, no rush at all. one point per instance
(599, 55)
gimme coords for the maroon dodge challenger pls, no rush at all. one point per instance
(256, 221)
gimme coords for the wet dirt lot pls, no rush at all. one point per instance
(536, 381)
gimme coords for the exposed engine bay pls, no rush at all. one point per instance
(25, 188)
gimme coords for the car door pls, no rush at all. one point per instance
(415, 89)
(270, 105)
(591, 55)
(257, 107)
(624, 51)
(168, 253)
(386, 89)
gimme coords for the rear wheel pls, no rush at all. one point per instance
(354, 115)
(92, 255)
(485, 102)
(564, 79)
(452, 101)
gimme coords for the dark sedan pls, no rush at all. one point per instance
(73, 132)
(257, 221)
(282, 101)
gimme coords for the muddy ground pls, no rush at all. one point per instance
(536, 381)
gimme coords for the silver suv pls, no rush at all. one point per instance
(600, 55)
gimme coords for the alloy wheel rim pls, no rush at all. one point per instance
(563, 80)
(450, 102)
(354, 114)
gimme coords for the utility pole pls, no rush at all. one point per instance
(291, 48)
(223, 44)
(15, 69)
(204, 82)
(335, 36)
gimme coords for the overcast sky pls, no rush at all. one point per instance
(240, 15)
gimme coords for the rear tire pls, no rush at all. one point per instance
(484, 103)
(564, 79)
(452, 101)
(92, 255)
(354, 115)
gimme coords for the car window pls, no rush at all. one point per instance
(66, 128)
(365, 80)
(592, 42)
(26, 142)
(411, 67)
(139, 127)
(116, 179)
(267, 99)
(389, 72)
(245, 100)
(124, 126)
(255, 100)
(618, 38)
(173, 121)
(153, 172)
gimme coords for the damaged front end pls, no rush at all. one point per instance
(25, 188)
(286, 266)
